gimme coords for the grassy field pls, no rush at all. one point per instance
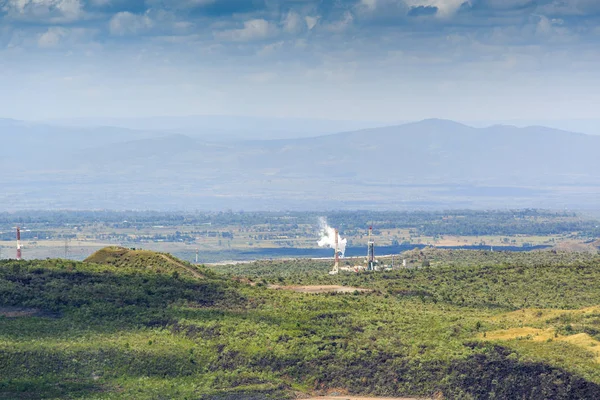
(142, 325)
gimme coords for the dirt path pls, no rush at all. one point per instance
(319, 289)
(21, 312)
(361, 398)
(180, 265)
(15, 312)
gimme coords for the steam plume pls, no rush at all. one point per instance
(328, 237)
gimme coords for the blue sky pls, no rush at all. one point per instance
(385, 60)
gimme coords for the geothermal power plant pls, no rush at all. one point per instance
(330, 237)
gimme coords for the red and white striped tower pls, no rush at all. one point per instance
(19, 243)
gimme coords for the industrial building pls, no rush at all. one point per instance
(370, 263)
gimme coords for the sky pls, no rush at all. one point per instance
(384, 60)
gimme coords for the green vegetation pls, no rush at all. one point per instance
(144, 259)
(227, 232)
(139, 325)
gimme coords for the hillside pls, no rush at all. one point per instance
(144, 259)
(431, 164)
(226, 127)
(438, 152)
(515, 328)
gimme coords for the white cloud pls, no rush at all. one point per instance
(311, 22)
(68, 38)
(54, 11)
(126, 23)
(292, 23)
(369, 4)
(52, 37)
(552, 29)
(255, 29)
(69, 8)
(571, 7)
(342, 24)
(508, 4)
(544, 26)
(446, 8)
(270, 48)
(178, 4)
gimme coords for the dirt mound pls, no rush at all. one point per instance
(123, 257)
(107, 255)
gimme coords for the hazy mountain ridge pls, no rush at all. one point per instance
(225, 128)
(436, 151)
(428, 162)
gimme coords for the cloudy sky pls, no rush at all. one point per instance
(385, 60)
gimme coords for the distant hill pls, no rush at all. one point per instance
(432, 163)
(438, 151)
(226, 128)
(24, 145)
(144, 260)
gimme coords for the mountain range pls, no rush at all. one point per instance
(427, 164)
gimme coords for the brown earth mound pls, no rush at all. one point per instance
(121, 256)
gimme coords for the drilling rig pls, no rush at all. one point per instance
(371, 252)
(336, 264)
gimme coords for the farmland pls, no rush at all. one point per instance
(226, 236)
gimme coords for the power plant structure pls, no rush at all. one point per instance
(371, 262)
(19, 254)
(336, 264)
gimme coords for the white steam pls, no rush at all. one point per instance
(328, 237)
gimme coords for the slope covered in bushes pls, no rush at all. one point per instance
(114, 328)
(144, 259)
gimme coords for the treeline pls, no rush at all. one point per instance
(472, 222)
(10, 235)
(477, 226)
(455, 222)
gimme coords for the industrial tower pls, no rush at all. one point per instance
(370, 252)
(19, 255)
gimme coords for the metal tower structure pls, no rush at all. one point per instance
(370, 252)
(19, 254)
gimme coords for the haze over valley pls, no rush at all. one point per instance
(426, 164)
